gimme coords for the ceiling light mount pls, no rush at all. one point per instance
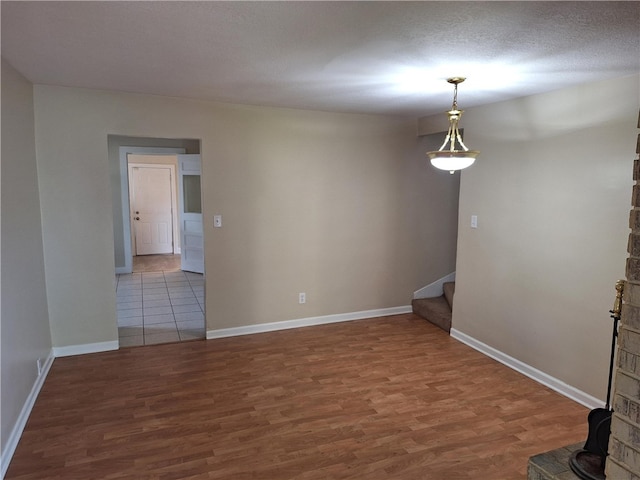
(453, 158)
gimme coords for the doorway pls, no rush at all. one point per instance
(158, 301)
(123, 244)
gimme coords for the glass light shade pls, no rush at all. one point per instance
(453, 158)
(452, 161)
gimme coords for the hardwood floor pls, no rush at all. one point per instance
(384, 398)
(156, 263)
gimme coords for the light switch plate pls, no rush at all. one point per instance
(217, 221)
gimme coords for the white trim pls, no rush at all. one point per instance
(529, 371)
(85, 348)
(305, 322)
(124, 195)
(122, 270)
(434, 289)
(14, 437)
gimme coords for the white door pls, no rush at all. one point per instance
(151, 213)
(191, 228)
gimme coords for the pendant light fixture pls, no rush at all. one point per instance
(450, 157)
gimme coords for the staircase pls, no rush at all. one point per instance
(436, 310)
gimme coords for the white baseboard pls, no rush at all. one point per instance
(529, 371)
(122, 270)
(12, 441)
(85, 348)
(306, 322)
(434, 289)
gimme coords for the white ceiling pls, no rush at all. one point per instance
(369, 57)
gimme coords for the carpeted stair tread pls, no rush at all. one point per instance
(449, 288)
(436, 310)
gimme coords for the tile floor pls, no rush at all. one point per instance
(160, 307)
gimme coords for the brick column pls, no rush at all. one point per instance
(623, 462)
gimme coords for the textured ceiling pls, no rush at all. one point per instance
(369, 57)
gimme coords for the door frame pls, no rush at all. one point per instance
(124, 195)
(174, 207)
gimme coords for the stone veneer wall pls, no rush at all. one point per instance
(623, 462)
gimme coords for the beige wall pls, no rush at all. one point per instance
(25, 325)
(551, 189)
(342, 207)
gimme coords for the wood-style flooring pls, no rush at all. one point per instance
(156, 263)
(384, 398)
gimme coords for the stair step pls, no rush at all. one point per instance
(449, 288)
(553, 465)
(436, 310)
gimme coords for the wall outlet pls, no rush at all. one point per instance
(302, 297)
(39, 365)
